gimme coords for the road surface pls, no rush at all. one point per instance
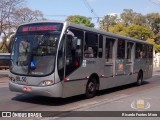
(115, 99)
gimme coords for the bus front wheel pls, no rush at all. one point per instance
(140, 78)
(91, 88)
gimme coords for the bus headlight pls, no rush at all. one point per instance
(46, 83)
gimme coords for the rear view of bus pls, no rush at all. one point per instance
(33, 59)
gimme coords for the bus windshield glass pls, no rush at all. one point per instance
(34, 49)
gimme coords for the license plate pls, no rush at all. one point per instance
(21, 79)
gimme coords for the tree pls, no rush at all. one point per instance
(139, 19)
(139, 32)
(25, 14)
(119, 28)
(80, 20)
(108, 21)
(153, 21)
(128, 16)
(11, 15)
(157, 39)
(6, 9)
(156, 46)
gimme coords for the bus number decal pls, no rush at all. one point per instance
(91, 62)
(84, 63)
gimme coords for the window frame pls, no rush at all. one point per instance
(100, 45)
(88, 51)
(120, 49)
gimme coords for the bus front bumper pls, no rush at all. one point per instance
(49, 91)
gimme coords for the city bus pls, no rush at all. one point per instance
(63, 59)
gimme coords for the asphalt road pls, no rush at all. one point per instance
(115, 99)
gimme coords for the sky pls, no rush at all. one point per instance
(63, 8)
(59, 9)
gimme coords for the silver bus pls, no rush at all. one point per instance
(62, 59)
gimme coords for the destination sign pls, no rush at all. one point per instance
(39, 27)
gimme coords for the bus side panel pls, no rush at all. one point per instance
(73, 87)
(107, 83)
(150, 71)
(150, 67)
(140, 64)
(76, 82)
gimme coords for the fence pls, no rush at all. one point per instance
(4, 60)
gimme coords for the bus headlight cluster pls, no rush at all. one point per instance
(47, 83)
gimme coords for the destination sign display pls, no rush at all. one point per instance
(39, 27)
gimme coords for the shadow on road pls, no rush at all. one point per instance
(42, 100)
(49, 101)
(119, 88)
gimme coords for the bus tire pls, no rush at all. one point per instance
(139, 78)
(91, 88)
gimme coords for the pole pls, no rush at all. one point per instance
(107, 20)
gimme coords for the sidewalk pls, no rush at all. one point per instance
(4, 76)
(156, 69)
(4, 80)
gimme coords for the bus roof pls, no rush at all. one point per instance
(66, 23)
(106, 33)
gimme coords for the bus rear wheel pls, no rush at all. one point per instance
(91, 88)
(140, 78)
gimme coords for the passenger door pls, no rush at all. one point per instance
(109, 66)
(120, 61)
(130, 58)
(73, 51)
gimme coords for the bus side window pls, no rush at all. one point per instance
(129, 51)
(121, 49)
(150, 51)
(139, 52)
(91, 45)
(109, 49)
(144, 51)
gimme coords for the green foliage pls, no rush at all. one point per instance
(135, 25)
(153, 21)
(157, 39)
(109, 21)
(128, 16)
(119, 29)
(156, 46)
(80, 20)
(139, 32)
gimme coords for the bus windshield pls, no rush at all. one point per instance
(34, 53)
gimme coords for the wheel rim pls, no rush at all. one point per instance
(91, 88)
(140, 80)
